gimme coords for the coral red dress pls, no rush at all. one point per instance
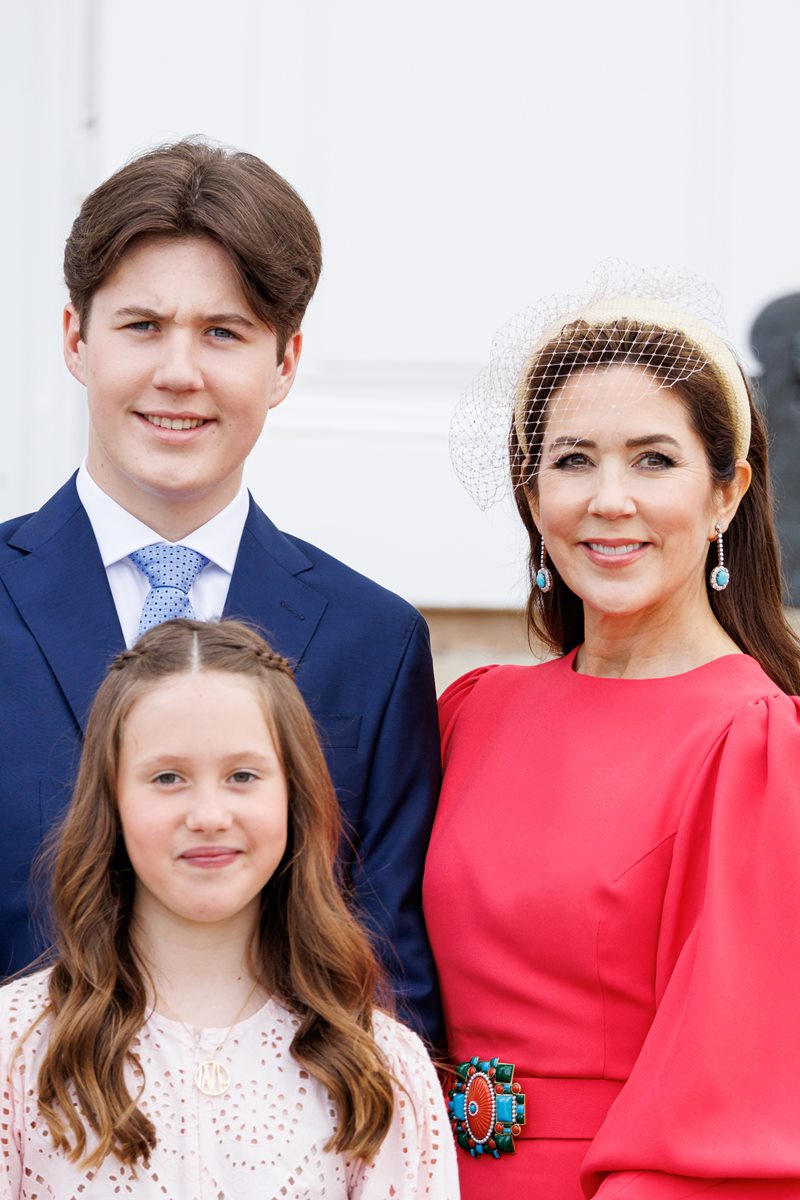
(612, 893)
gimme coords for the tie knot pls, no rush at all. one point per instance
(169, 566)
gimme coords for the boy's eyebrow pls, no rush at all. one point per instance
(142, 313)
(229, 319)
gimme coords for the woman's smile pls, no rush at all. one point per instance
(615, 554)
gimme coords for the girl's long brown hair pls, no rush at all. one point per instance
(750, 610)
(308, 950)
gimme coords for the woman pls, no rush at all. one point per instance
(613, 881)
(208, 1027)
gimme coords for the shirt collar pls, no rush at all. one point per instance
(119, 533)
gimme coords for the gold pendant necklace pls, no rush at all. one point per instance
(212, 1077)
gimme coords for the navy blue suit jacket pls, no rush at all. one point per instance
(363, 665)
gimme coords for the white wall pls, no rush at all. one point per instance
(461, 159)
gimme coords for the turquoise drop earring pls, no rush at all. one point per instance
(720, 576)
(544, 577)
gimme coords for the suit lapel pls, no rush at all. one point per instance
(60, 589)
(265, 589)
(59, 586)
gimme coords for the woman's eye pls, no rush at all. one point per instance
(569, 462)
(655, 460)
(167, 778)
(243, 776)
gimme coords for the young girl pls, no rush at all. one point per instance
(208, 1028)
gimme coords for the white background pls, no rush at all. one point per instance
(462, 158)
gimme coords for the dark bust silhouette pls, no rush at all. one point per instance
(775, 339)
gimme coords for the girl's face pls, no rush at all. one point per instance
(626, 503)
(202, 799)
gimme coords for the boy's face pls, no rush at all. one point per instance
(180, 375)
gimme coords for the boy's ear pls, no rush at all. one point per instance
(287, 369)
(73, 344)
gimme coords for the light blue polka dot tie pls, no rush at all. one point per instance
(171, 571)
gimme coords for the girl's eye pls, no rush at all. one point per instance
(654, 460)
(243, 776)
(167, 778)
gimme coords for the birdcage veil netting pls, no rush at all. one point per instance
(667, 323)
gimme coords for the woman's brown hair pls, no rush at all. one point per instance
(750, 610)
(308, 950)
(193, 189)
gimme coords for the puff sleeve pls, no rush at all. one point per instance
(713, 1101)
(450, 703)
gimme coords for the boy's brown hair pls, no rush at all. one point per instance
(192, 189)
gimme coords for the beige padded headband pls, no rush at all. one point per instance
(709, 345)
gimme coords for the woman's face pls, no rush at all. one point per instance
(203, 801)
(626, 503)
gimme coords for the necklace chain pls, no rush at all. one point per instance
(212, 1077)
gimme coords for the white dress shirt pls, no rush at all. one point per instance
(118, 534)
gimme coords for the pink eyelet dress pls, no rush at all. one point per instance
(264, 1138)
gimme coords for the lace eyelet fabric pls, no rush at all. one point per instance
(263, 1139)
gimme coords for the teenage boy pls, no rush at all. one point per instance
(189, 272)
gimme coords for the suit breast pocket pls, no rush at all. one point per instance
(338, 732)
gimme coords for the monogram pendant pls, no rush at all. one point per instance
(212, 1078)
